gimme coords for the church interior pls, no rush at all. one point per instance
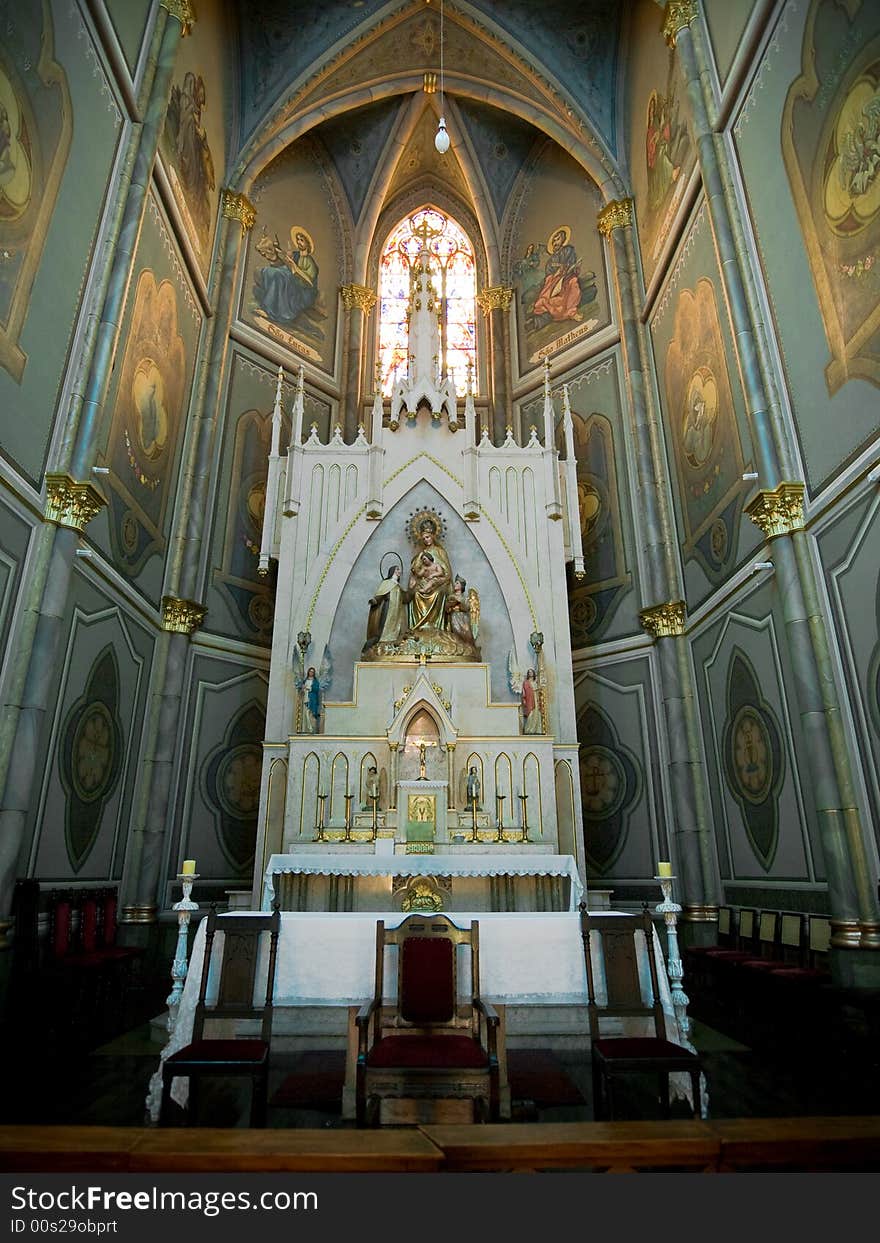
(439, 456)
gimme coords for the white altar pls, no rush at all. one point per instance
(526, 881)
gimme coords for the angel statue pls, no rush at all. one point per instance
(463, 612)
(528, 690)
(312, 685)
(375, 786)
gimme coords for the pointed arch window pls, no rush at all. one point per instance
(455, 269)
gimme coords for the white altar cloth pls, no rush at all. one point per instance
(424, 865)
(329, 959)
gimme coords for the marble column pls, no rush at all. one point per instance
(358, 301)
(71, 499)
(778, 511)
(664, 614)
(495, 305)
(182, 612)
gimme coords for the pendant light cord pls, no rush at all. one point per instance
(442, 95)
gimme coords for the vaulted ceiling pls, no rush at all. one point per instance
(514, 68)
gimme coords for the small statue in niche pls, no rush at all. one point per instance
(473, 790)
(371, 788)
(387, 619)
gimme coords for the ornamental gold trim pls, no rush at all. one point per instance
(70, 503)
(183, 11)
(679, 14)
(664, 621)
(358, 297)
(139, 913)
(618, 214)
(870, 935)
(699, 914)
(778, 511)
(846, 934)
(235, 206)
(495, 298)
(182, 616)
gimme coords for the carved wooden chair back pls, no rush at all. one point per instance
(242, 935)
(621, 940)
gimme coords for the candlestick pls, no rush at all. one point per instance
(319, 836)
(474, 837)
(499, 835)
(523, 798)
(348, 799)
(189, 867)
(374, 799)
(184, 909)
(670, 911)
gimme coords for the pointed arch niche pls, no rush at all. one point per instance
(454, 272)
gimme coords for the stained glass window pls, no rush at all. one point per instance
(455, 281)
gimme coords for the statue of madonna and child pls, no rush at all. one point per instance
(433, 613)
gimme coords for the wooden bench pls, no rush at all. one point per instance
(739, 1144)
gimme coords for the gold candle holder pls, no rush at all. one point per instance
(374, 799)
(474, 837)
(319, 835)
(348, 802)
(523, 798)
(499, 835)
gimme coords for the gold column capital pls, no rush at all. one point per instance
(183, 11)
(238, 207)
(617, 214)
(70, 503)
(664, 621)
(182, 616)
(696, 913)
(139, 913)
(778, 511)
(358, 296)
(678, 14)
(495, 298)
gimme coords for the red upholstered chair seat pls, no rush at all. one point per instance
(221, 1051)
(760, 964)
(801, 973)
(431, 1052)
(641, 1046)
(729, 955)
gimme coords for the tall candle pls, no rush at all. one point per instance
(189, 867)
(664, 869)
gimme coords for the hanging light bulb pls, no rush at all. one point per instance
(441, 138)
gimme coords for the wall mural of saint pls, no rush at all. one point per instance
(146, 418)
(708, 452)
(192, 165)
(831, 147)
(36, 128)
(554, 291)
(286, 289)
(668, 150)
(593, 601)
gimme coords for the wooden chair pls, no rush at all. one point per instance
(425, 1045)
(619, 1056)
(235, 1000)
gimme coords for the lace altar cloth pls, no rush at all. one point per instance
(424, 865)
